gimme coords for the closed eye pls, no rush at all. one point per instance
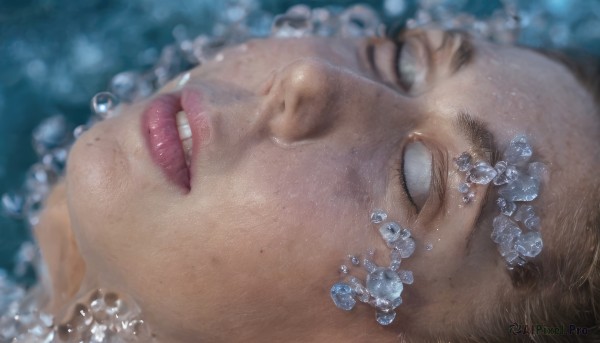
(417, 170)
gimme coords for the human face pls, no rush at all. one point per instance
(295, 141)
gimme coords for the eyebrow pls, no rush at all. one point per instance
(482, 143)
(464, 54)
(479, 137)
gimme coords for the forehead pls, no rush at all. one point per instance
(516, 90)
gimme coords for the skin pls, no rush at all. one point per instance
(304, 144)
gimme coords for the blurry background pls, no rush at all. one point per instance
(56, 54)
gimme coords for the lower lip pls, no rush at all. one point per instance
(159, 127)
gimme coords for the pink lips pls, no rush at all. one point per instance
(159, 127)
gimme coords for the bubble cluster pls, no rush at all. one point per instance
(516, 230)
(99, 317)
(384, 284)
(52, 139)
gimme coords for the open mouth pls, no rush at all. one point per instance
(169, 137)
(176, 126)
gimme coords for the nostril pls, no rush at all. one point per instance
(305, 91)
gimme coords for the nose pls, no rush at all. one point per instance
(301, 100)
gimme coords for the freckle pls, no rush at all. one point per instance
(97, 139)
(215, 260)
(261, 251)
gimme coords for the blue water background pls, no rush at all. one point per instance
(56, 54)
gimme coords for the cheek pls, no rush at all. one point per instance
(268, 242)
(105, 205)
(95, 172)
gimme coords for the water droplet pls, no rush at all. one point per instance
(385, 318)
(51, 133)
(468, 198)
(129, 86)
(406, 276)
(13, 204)
(341, 293)
(359, 290)
(529, 244)
(406, 247)
(505, 230)
(463, 161)
(104, 103)
(394, 8)
(296, 22)
(378, 216)
(506, 207)
(344, 269)
(524, 188)
(524, 212)
(392, 232)
(79, 130)
(384, 283)
(533, 223)
(359, 21)
(519, 151)
(509, 174)
(369, 266)
(482, 173)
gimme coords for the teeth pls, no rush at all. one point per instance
(183, 126)
(185, 134)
